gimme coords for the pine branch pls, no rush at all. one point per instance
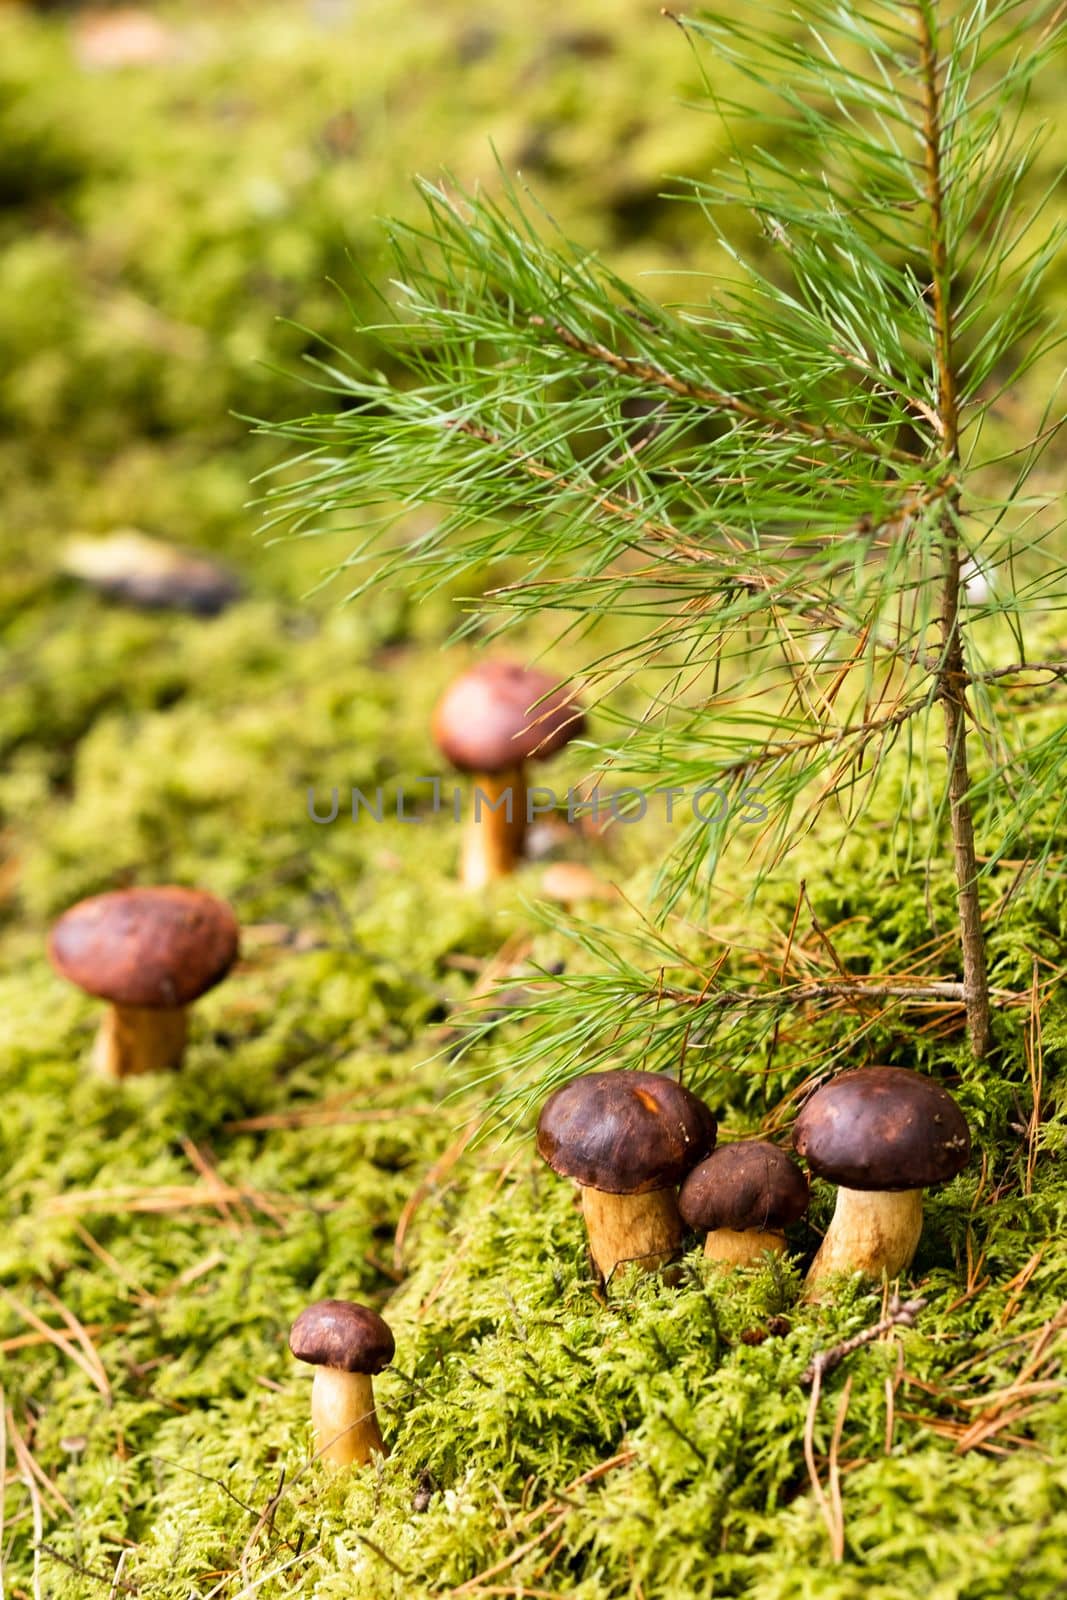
(646, 372)
(767, 510)
(952, 672)
(844, 990)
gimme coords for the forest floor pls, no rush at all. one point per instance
(160, 1236)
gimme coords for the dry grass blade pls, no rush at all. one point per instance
(441, 1167)
(89, 1364)
(27, 1463)
(29, 1472)
(557, 1508)
(1017, 1286)
(199, 1161)
(473, 1584)
(552, 1504)
(328, 1114)
(30, 1341)
(1035, 1062)
(110, 1262)
(831, 1508)
(1002, 1410)
(81, 1334)
(837, 1509)
(163, 1199)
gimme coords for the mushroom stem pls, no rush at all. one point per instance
(344, 1418)
(742, 1248)
(871, 1232)
(644, 1228)
(136, 1039)
(493, 841)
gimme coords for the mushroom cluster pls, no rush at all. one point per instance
(629, 1139)
(640, 1147)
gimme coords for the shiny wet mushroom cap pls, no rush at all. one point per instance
(147, 948)
(341, 1334)
(883, 1128)
(626, 1138)
(500, 714)
(749, 1185)
(883, 1135)
(624, 1132)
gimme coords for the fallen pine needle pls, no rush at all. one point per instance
(81, 1334)
(166, 1198)
(830, 1507)
(327, 1114)
(92, 1368)
(31, 1471)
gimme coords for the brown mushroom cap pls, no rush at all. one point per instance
(624, 1132)
(883, 1128)
(746, 1185)
(500, 713)
(156, 948)
(338, 1333)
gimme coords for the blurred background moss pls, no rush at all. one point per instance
(182, 191)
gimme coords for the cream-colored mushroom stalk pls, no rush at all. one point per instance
(491, 722)
(347, 1344)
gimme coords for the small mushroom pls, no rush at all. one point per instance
(151, 953)
(346, 1344)
(745, 1195)
(627, 1139)
(490, 722)
(571, 882)
(883, 1135)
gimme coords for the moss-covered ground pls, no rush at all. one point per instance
(159, 1237)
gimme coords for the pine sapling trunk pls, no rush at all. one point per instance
(951, 672)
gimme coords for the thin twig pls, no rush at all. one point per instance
(88, 1572)
(899, 1314)
(952, 671)
(948, 991)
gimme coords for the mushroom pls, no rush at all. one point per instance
(347, 1344)
(151, 953)
(883, 1135)
(745, 1195)
(490, 722)
(626, 1138)
(571, 882)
